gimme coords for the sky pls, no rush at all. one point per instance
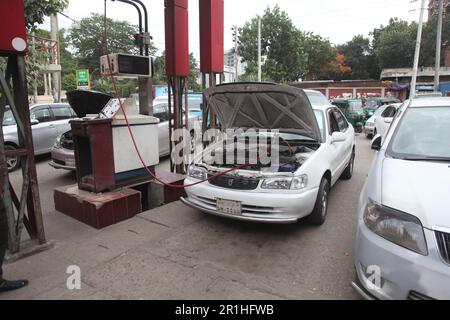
(338, 21)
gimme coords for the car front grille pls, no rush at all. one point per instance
(236, 183)
(443, 242)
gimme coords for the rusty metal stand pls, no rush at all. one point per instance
(24, 211)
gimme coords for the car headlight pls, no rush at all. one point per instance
(198, 173)
(400, 228)
(285, 183)
(58, 142)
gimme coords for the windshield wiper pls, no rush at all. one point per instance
(437, 159)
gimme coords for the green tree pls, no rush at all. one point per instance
(394, 44)
(428, 52)
(282, 44)
(194, 73)
(37, 10)
(361, 58)
(88, 40)
(320, 54)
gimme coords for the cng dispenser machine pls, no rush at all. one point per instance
(104, 151)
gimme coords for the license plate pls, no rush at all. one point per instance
(70, 163)
(229, 207)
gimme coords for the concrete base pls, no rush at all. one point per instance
(27, 249)
(159, 194)
(98, 210)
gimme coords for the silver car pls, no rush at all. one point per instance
(403, 236)
(48, 122)
(63, 155)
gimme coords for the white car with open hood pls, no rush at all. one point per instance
(316, 149)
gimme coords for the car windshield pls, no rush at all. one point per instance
(321, 122)
(422, 135)
(371, 104)
(8, 119)
(355, 105)
(380, 110)
(317, 99)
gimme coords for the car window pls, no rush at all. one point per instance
(389, 112)
(41, 114)
(321, 122)
(161, 111)
(317, 99)
(334, 126)
(62, 113)
(422, 132)
(8, 119)
(342, 123)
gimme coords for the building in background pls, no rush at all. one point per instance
(433, 7)
(230, 61)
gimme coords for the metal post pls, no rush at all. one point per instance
(417, 53)
(236, 56)
(438, 45)
(55, 37)
(259, 50)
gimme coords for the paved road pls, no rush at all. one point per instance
(181, 253)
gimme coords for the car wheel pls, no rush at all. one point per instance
(319, 214)
(348, 173)
(12, 163)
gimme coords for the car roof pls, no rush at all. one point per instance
(430, 102)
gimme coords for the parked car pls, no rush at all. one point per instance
(48, 122)
(353, 111)
(384, 120)
(317, 147)
(195, 101)
(369, 127)
(402, 246)
(372, 104)
(63, 154)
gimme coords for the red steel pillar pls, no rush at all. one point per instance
(177, 64)
(211, 44)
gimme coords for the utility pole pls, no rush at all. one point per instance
(259, 50)
(236, 56)
(438, 45)
(54, 33)
(417, 54)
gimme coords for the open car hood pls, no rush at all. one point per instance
(263, 106)
(85, 102)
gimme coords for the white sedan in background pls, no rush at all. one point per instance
(402, 246)
(383, 121)
(317, 147)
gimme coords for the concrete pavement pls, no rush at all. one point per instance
(175, 252)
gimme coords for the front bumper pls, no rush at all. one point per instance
(404, 274)
(257, 206)
(63, 159)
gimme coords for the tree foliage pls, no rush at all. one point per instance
(37, 10)
(88, 39)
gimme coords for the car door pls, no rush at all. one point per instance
(335, 149)
(44, 130)
(345, 148)
(161, 111)
(62, 114)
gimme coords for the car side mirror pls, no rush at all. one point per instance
(388, 120)
(337, 137)
(377, 142)
(34, 122)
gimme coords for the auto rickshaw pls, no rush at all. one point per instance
(353, 111)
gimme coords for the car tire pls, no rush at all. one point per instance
(369, 136)
(12, 163)
(319, 214)
(348, 172)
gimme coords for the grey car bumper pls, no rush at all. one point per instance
(403, 273)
